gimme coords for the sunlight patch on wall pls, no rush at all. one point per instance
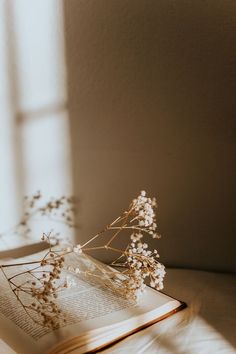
(39, 40)
(47, 162)
(9, 208)
(35, 141)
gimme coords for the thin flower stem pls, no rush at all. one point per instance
(120, 228)
(93, 248)
(109, 227)
(132, 227)
(122, 265)
(18, 298)
(93, 238)
(32, 262)
(116, 220)
(19, 264)
(114, 249)
(114, 236)
(114, 262)
(26, 271)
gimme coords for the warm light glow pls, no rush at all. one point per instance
(34, 134)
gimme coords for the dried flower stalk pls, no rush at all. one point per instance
(39, 289)
(59, 210)
(140, 264)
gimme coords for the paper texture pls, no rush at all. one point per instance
(90, 309)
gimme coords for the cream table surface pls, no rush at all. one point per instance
(207, 325)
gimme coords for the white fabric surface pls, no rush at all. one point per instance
(207, 325)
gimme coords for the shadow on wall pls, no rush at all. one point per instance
(151, 99)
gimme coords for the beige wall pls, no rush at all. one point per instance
(152, 106)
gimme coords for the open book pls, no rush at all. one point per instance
(96, 316)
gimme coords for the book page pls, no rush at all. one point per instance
(85, 300)
(88, 305)
(80, 303)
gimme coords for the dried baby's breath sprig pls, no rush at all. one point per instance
(58, 210)
(39, 292)
(37, 284)
(140, 264)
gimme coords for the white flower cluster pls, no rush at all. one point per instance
(144, 210)
(143, 263)
(44, 290)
